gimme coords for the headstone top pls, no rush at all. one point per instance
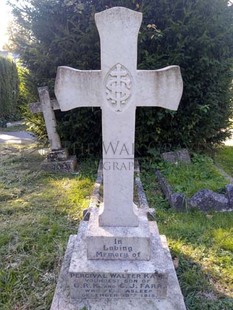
(116, 16)
(118, 88)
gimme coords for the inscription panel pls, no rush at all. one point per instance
(118, 285)
(119, 248)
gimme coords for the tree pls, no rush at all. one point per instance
(195, 34)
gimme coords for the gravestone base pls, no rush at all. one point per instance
(58, 155)
(67, 165)
(119, 243)
(115, 285)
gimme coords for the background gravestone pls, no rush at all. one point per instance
(180, 156)
(58, 159)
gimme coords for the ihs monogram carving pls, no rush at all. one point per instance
(118, 84)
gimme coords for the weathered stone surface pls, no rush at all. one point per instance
(58, 159)
(131, 235)
(180, 156)
(66, 166)
(176, 200)
(111, 275)
(49, 117)
(169, 157)
(207, 200)
(183, 156)
(118, 88)
(58, 155)
(166, 187)
(114, 285)
(118, 243)
(35, 107)
(229, 195)
(142, 200)
(135, 272)
(63, 301)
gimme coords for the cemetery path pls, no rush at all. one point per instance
(17, 137)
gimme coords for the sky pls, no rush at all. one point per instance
(5, 17)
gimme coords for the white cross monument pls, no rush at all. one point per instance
(117, 260)
(118, 88)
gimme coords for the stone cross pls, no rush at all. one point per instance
(47, 107)
(58, 159)
(118, 88)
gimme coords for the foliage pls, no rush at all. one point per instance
(28, 94)
(34, 123)
(81, 130)
(195, 34)
(189, 179)
(224, 157)
(9, 84)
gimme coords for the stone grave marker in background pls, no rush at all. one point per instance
(180, 156)
(117, 260)
(58, 158)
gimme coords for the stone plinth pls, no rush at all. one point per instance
(53, 164)
(58, 155)
(91, 279)
(112, 285)
(118, 243)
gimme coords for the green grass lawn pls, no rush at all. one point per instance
(189, 179)
(202, 244)
(39, 210)
(224, 158)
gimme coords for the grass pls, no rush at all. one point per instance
(203, 246)
(224, 158)
(38, 212)
(189, 179)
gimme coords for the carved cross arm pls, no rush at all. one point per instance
(78, 88)
(159, 88)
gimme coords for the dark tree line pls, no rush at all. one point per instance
(197, 35)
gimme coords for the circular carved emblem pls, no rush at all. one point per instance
(118, 87)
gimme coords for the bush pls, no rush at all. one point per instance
(28, 94)
(9, 86)
(195, 34)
